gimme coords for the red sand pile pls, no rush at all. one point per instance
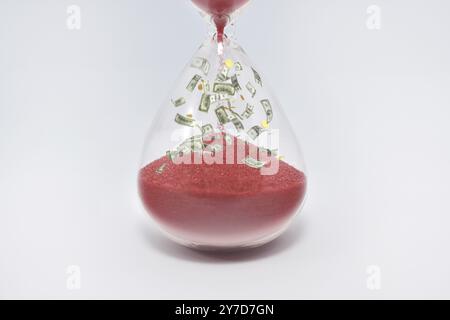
(221, 204)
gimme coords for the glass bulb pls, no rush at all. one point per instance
(221, 167)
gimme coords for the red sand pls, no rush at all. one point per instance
(219, 10)
(220, 7)
(221, 204)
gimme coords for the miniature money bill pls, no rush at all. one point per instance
(207, 130)
(185, 121)
(213, 98)
(255, 132)
(251, 89)
(222, 115)
(253, 163)
(268, 110)
(201, 64)
(235, 83)
(205, 103)
(179, 102)
(248, 112)
(161, 169)
(193, 144)
(238, 124)
(257, 77)
(206, 86)
(223, 74)
(193, 83)
(224, 88)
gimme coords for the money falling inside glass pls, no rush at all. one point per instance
(221, 97)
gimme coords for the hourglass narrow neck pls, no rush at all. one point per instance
(220, 22)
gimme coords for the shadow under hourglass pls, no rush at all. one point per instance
(287, 240)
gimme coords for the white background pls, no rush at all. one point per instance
(370, 107)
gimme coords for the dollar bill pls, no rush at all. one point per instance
(193, 144)
(255, 132)
(238, 67)
(238, 124)
(206, 87)
(207, 130)
(253, 163)
(224, 88)
(205, 103)
(184, 121)
(248, 112)
(251, 89)
(193, 83)
(258, 79)
(179, 102)
(268, 110)
(223, 74)
(235, 83)
(201, 64)
(218, 97)
(222, 115)
(161, 169)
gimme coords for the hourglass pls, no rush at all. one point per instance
(222, 168)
